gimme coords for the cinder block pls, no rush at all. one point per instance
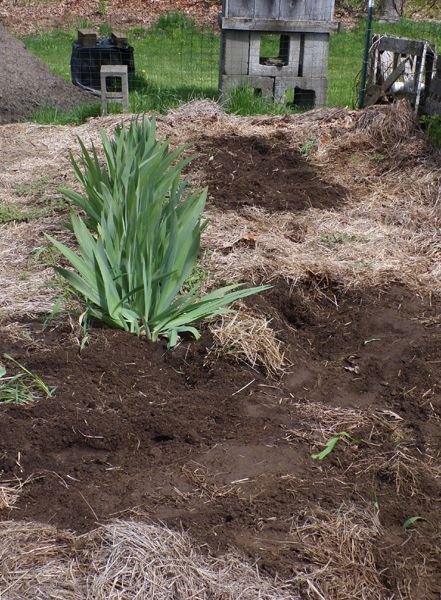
(315, 54)
(236, 52)
(264, 84)
(122, 97)
(318, 84)
(292, 57)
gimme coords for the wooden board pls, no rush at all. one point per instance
(266, 10)
(297, 10)
(399, 45)
(87, 37)
(236, 50)
(239, 8)
(305, 10)
(119, 39)
(278, 26)
(435, 87)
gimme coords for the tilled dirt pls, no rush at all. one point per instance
(264, 173)
(217, 448)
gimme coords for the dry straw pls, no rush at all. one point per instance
(36, 562)
(247, 337)
(150, 562)
(9, 494)
(130, 560)
(340, 549)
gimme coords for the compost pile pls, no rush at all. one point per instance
(27, 84)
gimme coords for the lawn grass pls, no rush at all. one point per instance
(175, 62)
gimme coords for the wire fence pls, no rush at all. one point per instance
(179, 61)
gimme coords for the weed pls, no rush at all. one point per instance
(105, 30)
(37, 187)
(174, 22)
(10, 213)
(308, 146)
(102, 7)
(331, 444)
(335, 238)
(17, 213)
(412, 520)
(432, 125)
(245, 101)
(23, 387)
(45, 256)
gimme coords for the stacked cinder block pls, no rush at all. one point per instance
(303, 27)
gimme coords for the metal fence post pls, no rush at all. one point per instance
(367, 45)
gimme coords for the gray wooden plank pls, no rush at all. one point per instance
(267, 9)
(240, 8)
(278, 26)
(315, 55)
(306, 10)
(401, 45)
(435, 87)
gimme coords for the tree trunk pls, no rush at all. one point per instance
(387, 10)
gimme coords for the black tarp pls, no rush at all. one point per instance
(86, 62)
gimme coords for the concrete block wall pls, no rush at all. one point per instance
(303, 67)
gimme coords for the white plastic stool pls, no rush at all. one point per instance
(106, 96)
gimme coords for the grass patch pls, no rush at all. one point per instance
(23, 387)
(10, 213)
(176, 61)
(50, 115)
(244, 101)
(432, 126)
(17, 213)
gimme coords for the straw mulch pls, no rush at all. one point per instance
(124, 559)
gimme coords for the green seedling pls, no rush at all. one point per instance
(412, 520)
(35, 188)
(331, 444)
(13, 389)
(307, 147)
(26, 379)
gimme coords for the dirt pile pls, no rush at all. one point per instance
(26, 83)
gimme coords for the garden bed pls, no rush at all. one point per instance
(200, 440)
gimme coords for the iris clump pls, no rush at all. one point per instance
(139, 238)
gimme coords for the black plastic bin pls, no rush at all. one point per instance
(86, 61)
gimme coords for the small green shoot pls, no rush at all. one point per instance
(308, 147)
(331, 444)
(26, 378)
(412, 520)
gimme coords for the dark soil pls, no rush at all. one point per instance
(170, 435)
(26, 83)
(263, 172)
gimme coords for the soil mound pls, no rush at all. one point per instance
(26, 83)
